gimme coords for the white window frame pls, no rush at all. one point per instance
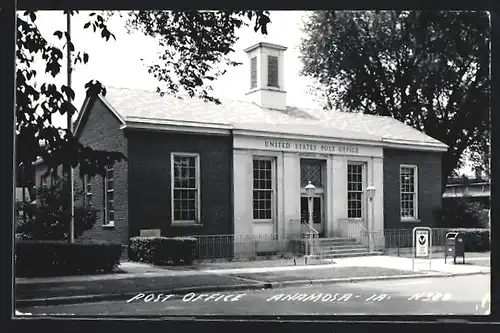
(87, 180)
(415, 197)
(198, 190)
(44, 182)
(363, 188)
(107, 222)
(273, 190)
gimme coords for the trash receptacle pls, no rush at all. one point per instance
(454, 246)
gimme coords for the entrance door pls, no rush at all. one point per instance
(313, 170)
(318, 212)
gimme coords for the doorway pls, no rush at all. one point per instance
(318, 212)
(313, 170)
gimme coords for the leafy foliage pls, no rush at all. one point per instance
(193, 43)
(56, 258)
(427, 69)
(50, 220)
(161, 250)
(461, 212)
(37, 102)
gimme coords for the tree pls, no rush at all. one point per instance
(49, 221)
(429, 70)
(193, 43)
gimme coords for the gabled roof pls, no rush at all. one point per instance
(148, 107)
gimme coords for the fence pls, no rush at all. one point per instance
(391, 241)
(246, 246)
(400, 241)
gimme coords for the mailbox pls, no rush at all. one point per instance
(454, 246)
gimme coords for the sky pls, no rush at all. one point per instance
(118, 63)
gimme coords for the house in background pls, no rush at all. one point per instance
(240, 168)
(473, 191)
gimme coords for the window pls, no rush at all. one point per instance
(253, 73)
(43, 182)
(311, 170)
(272, 71)
(355, 190)
(408, 182)
(185, 188)
(109, 197)
(87, 190)
(263, 188)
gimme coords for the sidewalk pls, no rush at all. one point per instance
(144, 278)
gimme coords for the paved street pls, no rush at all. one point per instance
(439, 296)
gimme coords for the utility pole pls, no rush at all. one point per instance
(71, 231)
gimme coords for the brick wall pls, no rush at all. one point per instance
(429, 186)
(149, 181)
(101, 130)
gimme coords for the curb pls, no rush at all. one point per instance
(65, 300)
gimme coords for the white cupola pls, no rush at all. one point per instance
(267, 80)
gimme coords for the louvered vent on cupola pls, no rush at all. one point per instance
(253, 73)
(272, 71)
(267, 84)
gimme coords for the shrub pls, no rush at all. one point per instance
(462, 213)
(475, 240)
(55, 258)
(50, 219)
(161, 250)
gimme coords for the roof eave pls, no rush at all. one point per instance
(427, 146)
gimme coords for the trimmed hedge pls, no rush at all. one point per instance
(475, 240)
(162, 250)
(57, 258)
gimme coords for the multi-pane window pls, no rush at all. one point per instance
(87, 190)
(109, 196)
(253, 72)
(185, 187)
(263, 189)
(408, 182)
(355, 190)
(272, 71)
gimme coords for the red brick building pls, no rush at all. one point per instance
(240, 168)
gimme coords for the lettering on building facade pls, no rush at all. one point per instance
(314, 148)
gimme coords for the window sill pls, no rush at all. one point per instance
(109, 226)
(186, 224)
(262, 221)
(410, 220)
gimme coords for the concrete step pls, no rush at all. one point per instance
(336, 241)
(343, 246)
(354, 250)
(354, 254)
(344, 250)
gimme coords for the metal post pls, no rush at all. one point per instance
(430, 249)
(71, 231)
(413, 250)
(310, 207)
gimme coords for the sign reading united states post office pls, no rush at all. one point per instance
(307, 146)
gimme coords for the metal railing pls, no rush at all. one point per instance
(391, 241)
(247, 246)
(311, 240)
(399, 241)
(354, 229)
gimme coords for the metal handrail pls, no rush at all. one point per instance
(310, 228)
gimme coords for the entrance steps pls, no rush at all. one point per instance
(338, 247)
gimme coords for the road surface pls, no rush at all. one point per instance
(437, 296)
